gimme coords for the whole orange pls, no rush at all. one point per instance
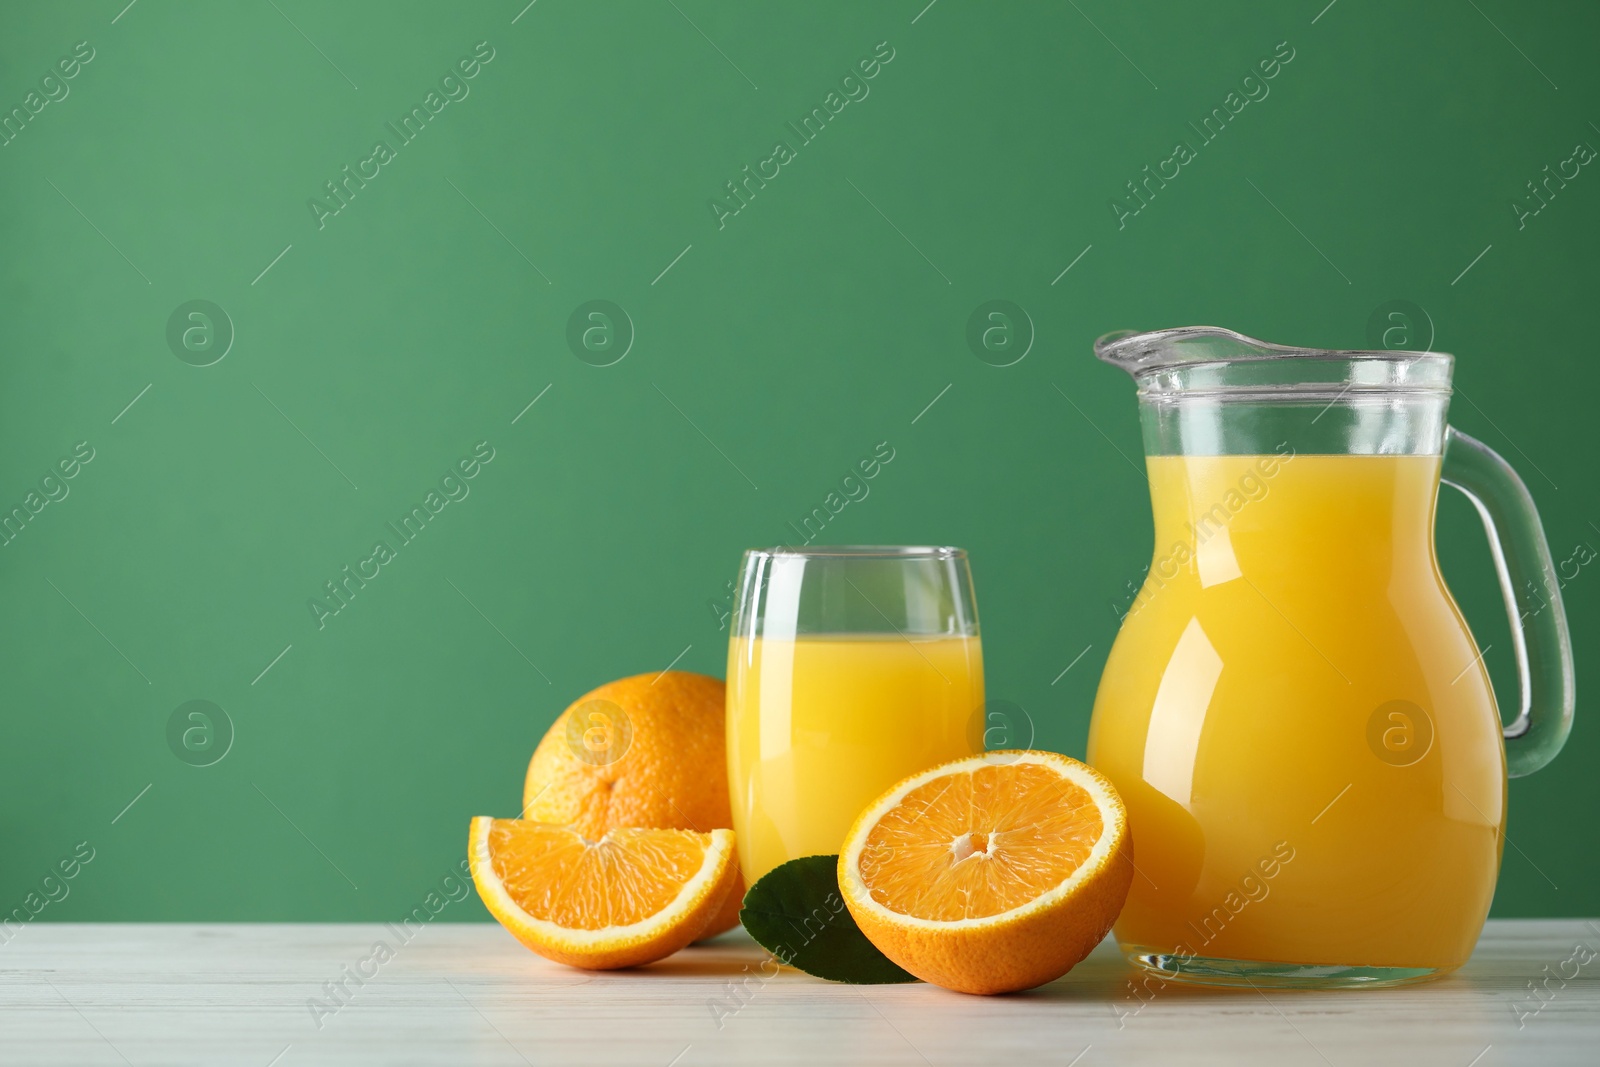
(647, 751)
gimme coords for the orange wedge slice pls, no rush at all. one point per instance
(990, 873)
(634, 896)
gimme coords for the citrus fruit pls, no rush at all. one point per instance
(646, 751)
(631, 897)
(990, 873)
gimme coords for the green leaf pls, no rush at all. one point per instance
(796, 913)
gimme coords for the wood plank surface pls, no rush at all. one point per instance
(256, 995)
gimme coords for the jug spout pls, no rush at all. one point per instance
(1204, 390)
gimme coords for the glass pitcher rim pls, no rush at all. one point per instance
(1204, 390)
(1141, 351)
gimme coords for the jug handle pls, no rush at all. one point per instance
(1539, 634)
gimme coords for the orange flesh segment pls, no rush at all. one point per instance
(978, 843)
(554, 874)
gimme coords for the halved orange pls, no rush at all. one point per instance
(990, 873)
(633, 896)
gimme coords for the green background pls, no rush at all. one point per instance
(775, 353)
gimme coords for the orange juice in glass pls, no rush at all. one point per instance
(849, 668)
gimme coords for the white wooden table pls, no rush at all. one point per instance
(468, 994)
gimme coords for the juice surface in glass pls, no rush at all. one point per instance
(820, 725)
(1300, 722)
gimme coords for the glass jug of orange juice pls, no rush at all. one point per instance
(1294, 710)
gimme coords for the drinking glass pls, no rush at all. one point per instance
(849, 668)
